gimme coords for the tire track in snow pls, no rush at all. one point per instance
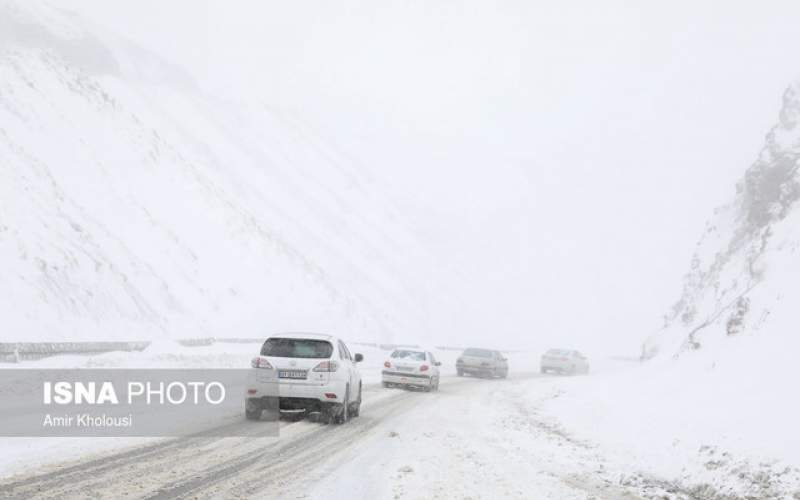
(182, 465)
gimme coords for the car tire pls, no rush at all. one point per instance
(252, 411)
(504, 374)
(325, 417)
(387, 384)
(344, 413)
(355, 411)
(543, 370)
(460, 373)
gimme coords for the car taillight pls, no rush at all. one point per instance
(386, 364)
(327, 366)
(259, 362)
(423, 368)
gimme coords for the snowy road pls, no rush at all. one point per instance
(216, 466)
(473, 439)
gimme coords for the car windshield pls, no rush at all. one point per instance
(478, 353)
(410, 355)
(297, 348)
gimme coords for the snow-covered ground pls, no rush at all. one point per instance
(24, 454)
(629, 431)
(475, 438)
(705, 424)
(696, 427)
(530, 436)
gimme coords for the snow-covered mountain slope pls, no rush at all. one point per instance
(134, 206)
(713, 412)
(743, 277)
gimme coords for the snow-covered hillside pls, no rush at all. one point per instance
(713, 412)
(743, 278)
(134, 206)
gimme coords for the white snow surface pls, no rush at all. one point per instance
(22, 455)
(740, 281)
(133, 206)
(715, 406)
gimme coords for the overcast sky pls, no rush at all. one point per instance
(564, 156)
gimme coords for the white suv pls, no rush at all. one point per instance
(305, 373)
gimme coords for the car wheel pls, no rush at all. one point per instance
(543, 370)
(344, 412)
(252, 411)
(325, 416)
(504, 374)
(436, 387)
(460, 373)
(356, 410)
(387, 384)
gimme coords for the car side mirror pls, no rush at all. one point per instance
(359, 357)
(438, 363)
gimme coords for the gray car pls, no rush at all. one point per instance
(564, 361)
(482, 362)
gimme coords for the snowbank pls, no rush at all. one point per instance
(716, 407)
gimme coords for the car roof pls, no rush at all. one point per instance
(302, 335)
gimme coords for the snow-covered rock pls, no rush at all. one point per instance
(743, 277)
(713, 412)
(134, 206)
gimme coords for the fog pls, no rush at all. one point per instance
(560, 159)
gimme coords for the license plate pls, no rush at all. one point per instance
(291, 374)
(405, 368)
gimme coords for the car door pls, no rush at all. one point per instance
(356, 373)
(499, 361)
(352, 372)
(583, 362)
(577, 361)
(434, 367)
